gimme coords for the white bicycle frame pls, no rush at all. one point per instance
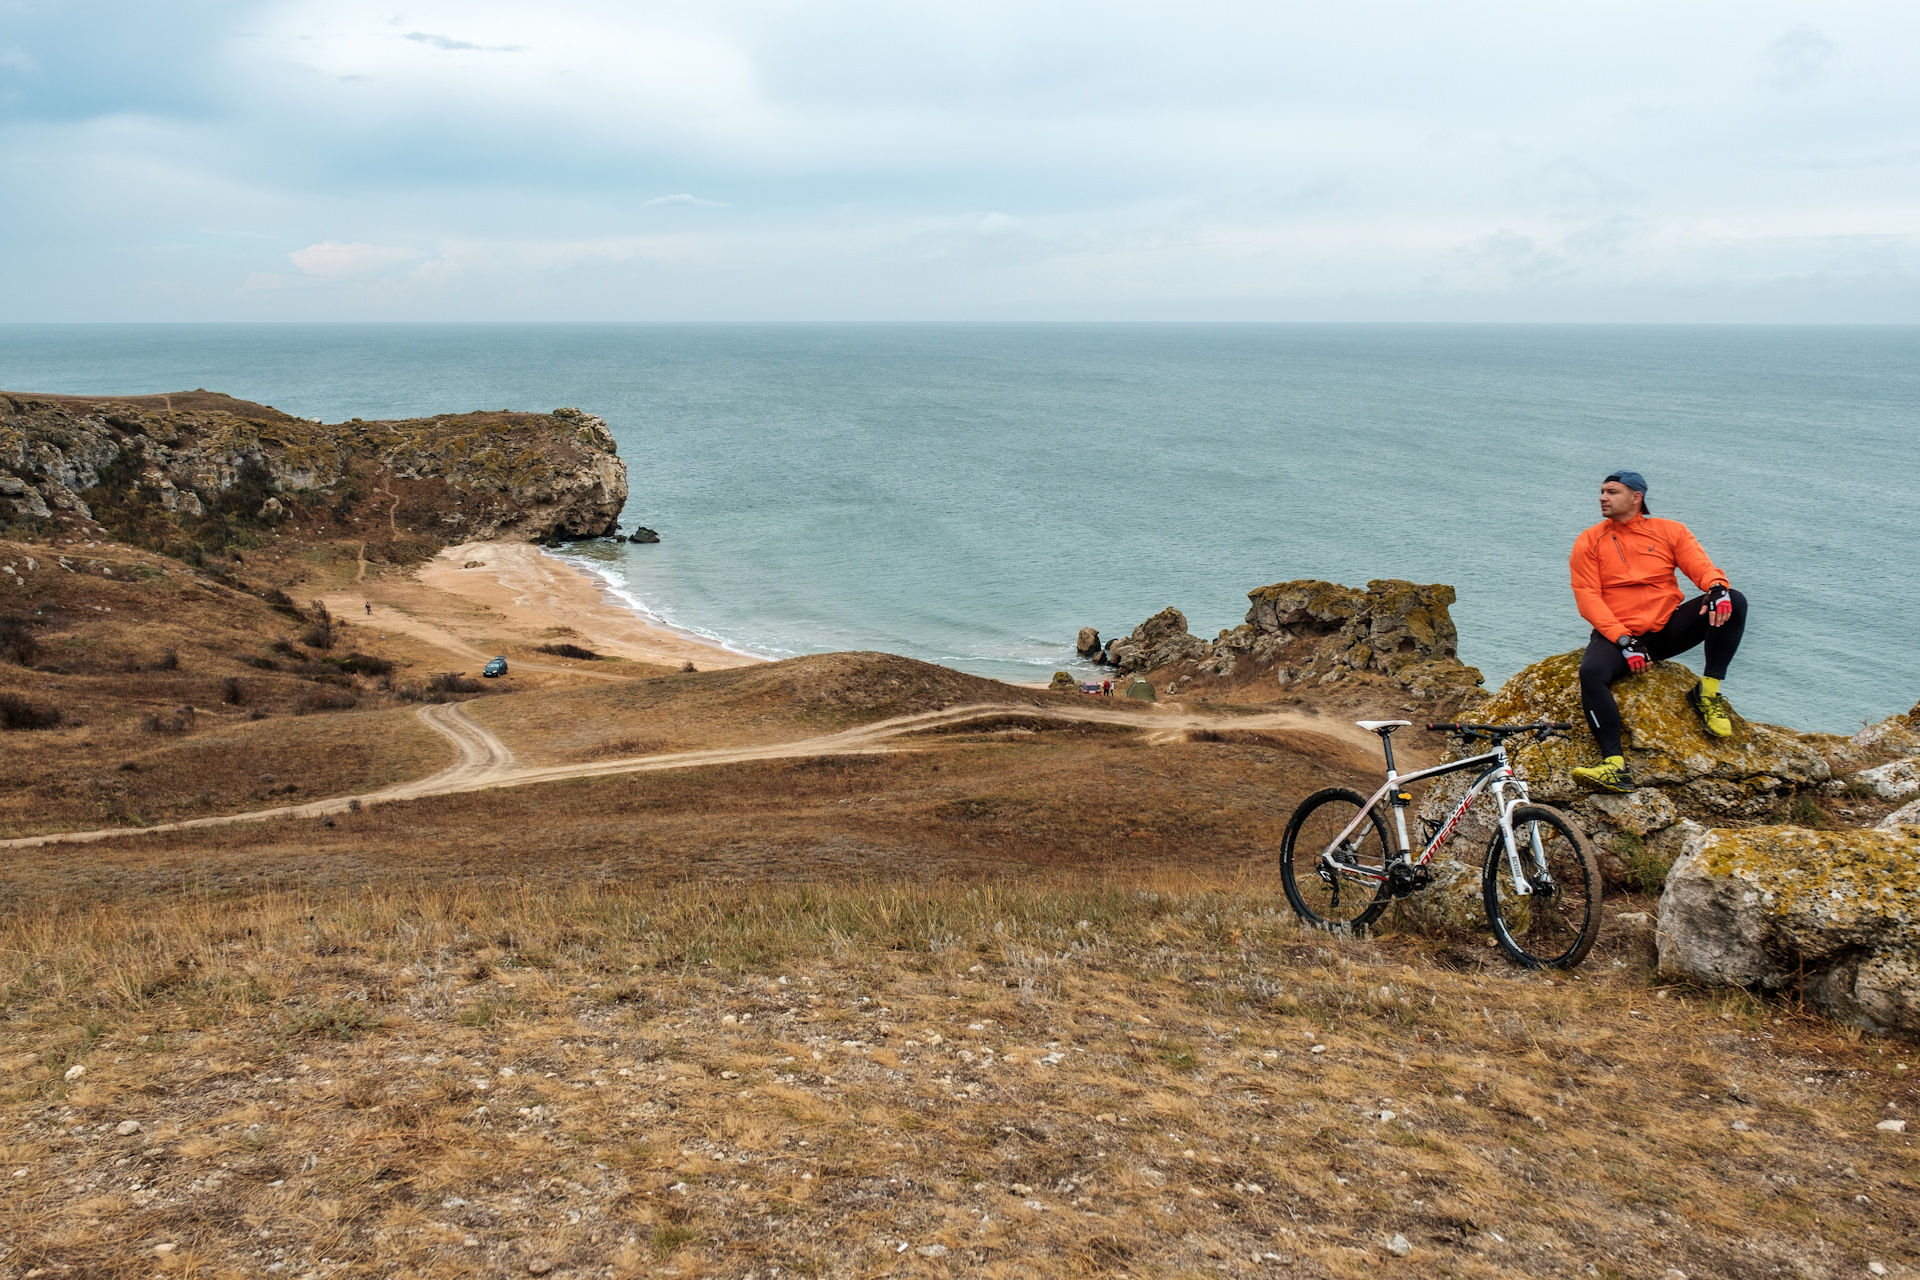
(1499, 776)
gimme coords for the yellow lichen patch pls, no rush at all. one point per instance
(1666, 743)
(1830, 874)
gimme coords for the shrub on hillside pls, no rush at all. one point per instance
(320, 634)
(178, 721)
(325, 700)
(442, 687)
(568, 651)
(17, 643)
(169, 660)
(363, 664)
(17, 713)
(282, 602)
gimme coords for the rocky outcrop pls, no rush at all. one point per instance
(1315, 631)
(1682, 771)
(1774, 906)
(1899, 733)
(1160, 641)
(1895, 780)
(1907, 815)
(157, 462)
(1088, 642)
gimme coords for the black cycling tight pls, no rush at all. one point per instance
(1686, 627)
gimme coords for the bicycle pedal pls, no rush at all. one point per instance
(1404, 879)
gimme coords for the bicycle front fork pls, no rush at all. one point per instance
(1521, 886)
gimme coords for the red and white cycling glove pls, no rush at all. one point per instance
(1637, 658)
(1720, 604)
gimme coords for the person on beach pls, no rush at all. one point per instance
(1623, 584)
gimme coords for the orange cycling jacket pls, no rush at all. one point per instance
(1623, 573)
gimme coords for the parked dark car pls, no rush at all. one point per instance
(498, 667)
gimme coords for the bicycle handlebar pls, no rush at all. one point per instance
(1459, 726)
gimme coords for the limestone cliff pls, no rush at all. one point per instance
(182, 470)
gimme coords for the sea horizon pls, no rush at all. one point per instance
(973, 492)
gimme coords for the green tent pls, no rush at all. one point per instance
(1141, 691)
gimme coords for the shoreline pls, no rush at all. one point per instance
(472, 598)
(620, 597)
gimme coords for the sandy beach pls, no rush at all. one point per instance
(473, 599)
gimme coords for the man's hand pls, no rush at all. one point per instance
(1719, 606)
(1637, 658)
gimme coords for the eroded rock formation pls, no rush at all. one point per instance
(140, 466)
(1314, 631)
(1683, 772)
(1776, 906)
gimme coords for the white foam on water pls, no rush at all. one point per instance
(615, 584)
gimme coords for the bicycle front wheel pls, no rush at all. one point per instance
(1334, 892)
(1556, 924)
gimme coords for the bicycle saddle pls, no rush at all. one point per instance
(1383, 727)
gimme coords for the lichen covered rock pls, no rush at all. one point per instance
(1895, 780)
(1771, 906)
(1311, 630)
(1907, 815)
(1895, 733)
(1666, 745)
(1682, 772)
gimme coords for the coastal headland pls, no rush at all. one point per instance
(653, 958)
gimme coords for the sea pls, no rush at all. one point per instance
(974, 494)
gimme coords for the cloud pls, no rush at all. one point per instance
(447, 42)
(1022, 158)
(685, 199)
(332, 260)
(1799, 58)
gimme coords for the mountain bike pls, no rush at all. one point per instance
(1539, 879)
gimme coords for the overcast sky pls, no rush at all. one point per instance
(985, 159)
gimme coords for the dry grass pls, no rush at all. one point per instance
(128, 775)
(1021, 1000)
(777, 702)
(1040, 802)
(1146, 1075)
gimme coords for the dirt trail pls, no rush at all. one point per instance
(485, 762)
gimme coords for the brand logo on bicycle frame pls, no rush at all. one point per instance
(1473, 793)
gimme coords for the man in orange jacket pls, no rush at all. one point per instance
(1623, 583)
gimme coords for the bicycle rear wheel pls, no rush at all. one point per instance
(1321, 896)
(1554, 926)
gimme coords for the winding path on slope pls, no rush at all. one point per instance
(483, 761)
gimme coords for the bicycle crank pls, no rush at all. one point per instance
(1404, 878)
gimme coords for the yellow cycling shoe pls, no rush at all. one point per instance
(1610, 774)
(1713, 711)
